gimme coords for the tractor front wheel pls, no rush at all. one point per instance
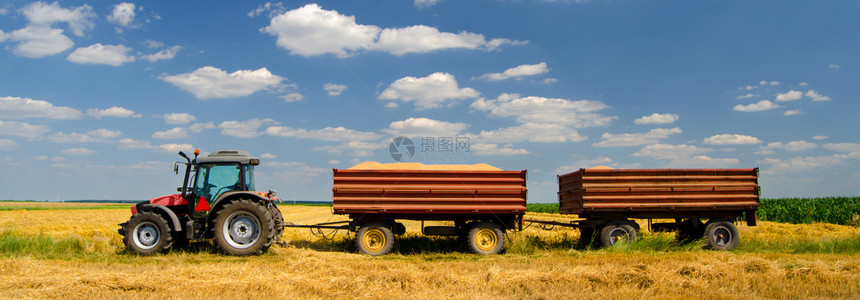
(147, 233)
(244, 227)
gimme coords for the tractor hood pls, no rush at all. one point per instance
(169, 200)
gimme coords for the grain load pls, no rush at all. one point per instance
(372, 165)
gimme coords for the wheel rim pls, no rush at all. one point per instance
(373, 240)
(241, 230)
(146, 235)
(722, 236)
(485, 239)
(618, 235)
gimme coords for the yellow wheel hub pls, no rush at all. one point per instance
(373, 240)
(486, 240)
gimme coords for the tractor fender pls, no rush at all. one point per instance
(163, 211)
(228, 196)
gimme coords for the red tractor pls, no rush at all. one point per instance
(216, 201)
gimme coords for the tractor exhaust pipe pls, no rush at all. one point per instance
(187, 171)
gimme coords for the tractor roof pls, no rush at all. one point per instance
(228, 156)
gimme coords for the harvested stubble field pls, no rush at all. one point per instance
(71, 251)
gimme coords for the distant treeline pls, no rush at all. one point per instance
(834, 210)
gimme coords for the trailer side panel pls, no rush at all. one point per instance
(658, 191)
(425, 192)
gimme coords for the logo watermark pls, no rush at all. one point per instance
(432, 149)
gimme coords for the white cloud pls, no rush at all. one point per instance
(122, 15)
(292, 97)
(834, 66)
(684, 156)
(113, 55)
(199, 127)
(6, 145)
(174, 133)
(163, 148)
(244, 129)
(334, 162)
(843, 147)
(746, 96)
(803, 84)
(793, 146)
(39, 38)
(586, 163)
(311, 30)
(771, 83)
(104, 133)
(168, 53)
(758, 106)
(517, 72)
(657, 118)
(819, 137)
(78, 151)
(325, 134)
(353, 148)
(414, 127)
(579, 113)
(635, 139)
(211, 83)
(731, 139)
(670, 152)
(114, 112)
(273, 9)
(789, 96)
(792, 112)
(46, 14)
(24, 108)
(532, 132)
(22, 129)
(427, 92)
(178, 118)
(36, 42)
(496, 150)
(268, 156)
(549, 81)
(816, 96)
(795, 164)
(334, 89)
(426, 3)
(152, 44)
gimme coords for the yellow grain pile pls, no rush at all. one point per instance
(372, 165)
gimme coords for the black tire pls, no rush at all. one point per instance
(586, 238)
(616, 232)
(374, 239)
(486, 238)
(279, 221)
(721, 235)
(244, 227)
(147, 233)
(690, 230)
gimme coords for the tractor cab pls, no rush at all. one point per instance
(216, 175)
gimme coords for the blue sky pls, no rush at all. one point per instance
(96, 98)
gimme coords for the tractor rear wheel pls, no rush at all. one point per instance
(244, 227)
(279, 221)
(147, 233)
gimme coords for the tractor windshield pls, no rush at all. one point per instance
(249, 177)
(212, 180)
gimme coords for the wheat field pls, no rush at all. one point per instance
(773, 261)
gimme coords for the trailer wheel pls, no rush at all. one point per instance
(486, 238)
(722, 235)
(244, 227)
(374, 239)
(147, 233)
(617, 232)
